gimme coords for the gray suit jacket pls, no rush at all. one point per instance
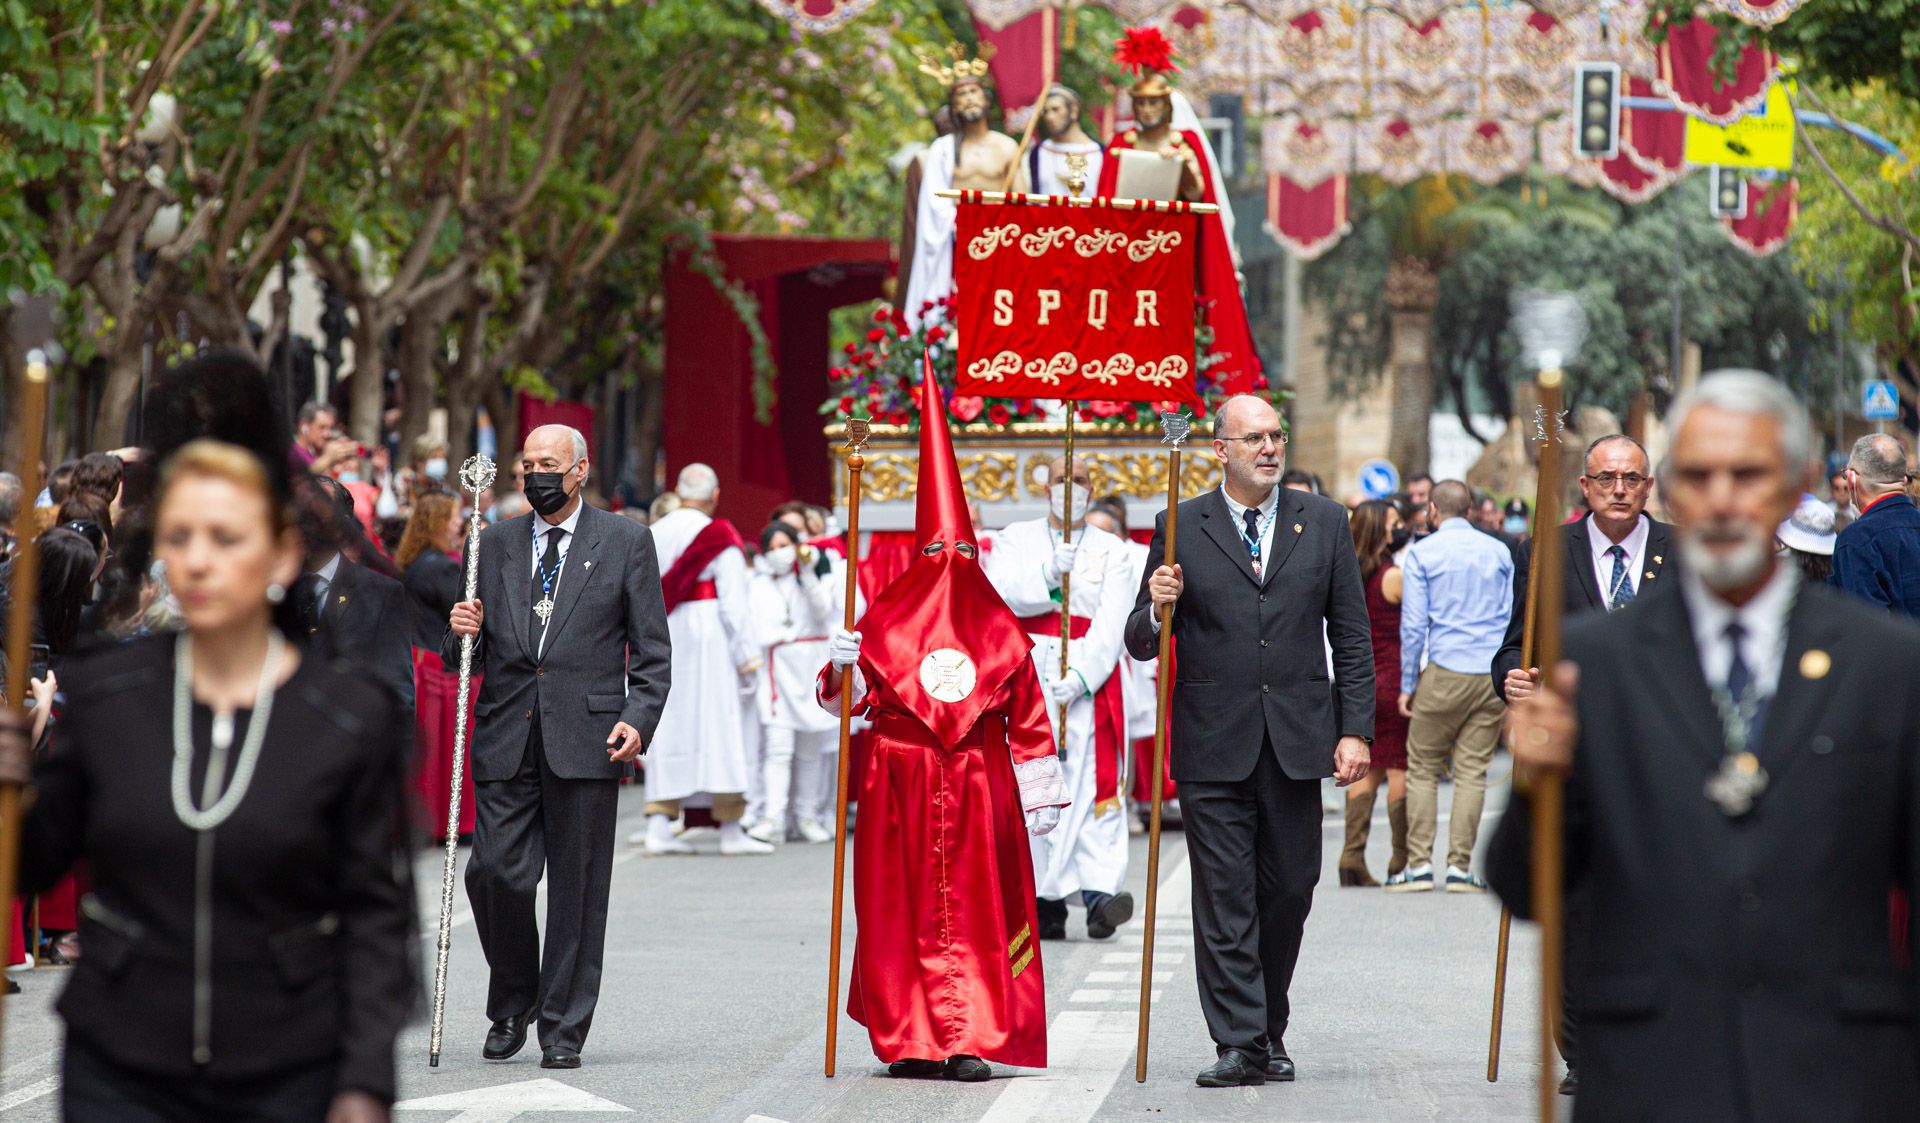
(607, 658)
(1249, 658)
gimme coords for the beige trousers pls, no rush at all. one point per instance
(1458, 716)
(728, 807)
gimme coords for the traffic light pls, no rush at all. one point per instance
(1726, 193)
(1596, 110)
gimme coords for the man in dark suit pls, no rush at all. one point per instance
(1256, 723)
(349, 613)
(1740, 800)
(1877, 556)
(576, 657)
(1611, 555)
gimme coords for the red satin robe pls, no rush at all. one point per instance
(947, 956)
(1236, 365)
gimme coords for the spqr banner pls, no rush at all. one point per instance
(1075, 302)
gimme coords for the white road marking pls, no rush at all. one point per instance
(1160, 955)
(29, 1093)
(1087, 1050)
(503, 1103)
(1126, 976)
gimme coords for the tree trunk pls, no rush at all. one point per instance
(1412, 293)
(649, 421)
(367, 380)
(120, 396)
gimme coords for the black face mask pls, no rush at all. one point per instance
(546, 492)
(1397, 541)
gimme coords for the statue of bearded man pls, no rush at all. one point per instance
(1067, 160)
(973, 157)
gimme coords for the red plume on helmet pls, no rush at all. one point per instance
(940, 504)
(939, 636)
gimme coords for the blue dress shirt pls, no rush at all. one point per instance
(1457, 590)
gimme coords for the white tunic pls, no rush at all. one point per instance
(932, 276)
(791, 621)
(1053, 167)
(700, 746)
(1142, 704)
(1088, 850)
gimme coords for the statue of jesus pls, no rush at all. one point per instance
(973, 157)
(1066, 161)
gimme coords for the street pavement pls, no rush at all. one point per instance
(713, 1008)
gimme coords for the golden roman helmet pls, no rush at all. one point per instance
(956, 68)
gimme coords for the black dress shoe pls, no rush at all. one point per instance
(1279, 1066)
(506, 1038)
(1570, 1083)
(1053, 929)
(913, 1069)
(967, 1069)
(559, 1056)
(1234, 1069)
(1108, 915)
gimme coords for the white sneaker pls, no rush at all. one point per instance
(744, 844)
(766, 830)
(659, 848)
(815, 831)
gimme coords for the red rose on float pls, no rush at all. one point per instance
(999, 415)
(966, 407)
(1105, 409)
(882, 314)
(936, 333)
(876, 335)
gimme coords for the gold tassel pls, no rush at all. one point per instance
(1066, 37)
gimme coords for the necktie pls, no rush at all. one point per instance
(1739, 677)
(309, 595)
(543, 581)
(1620, 586)
(1251, 517)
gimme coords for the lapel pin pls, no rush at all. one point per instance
(1297, 528)
(587, 565)
(1658, 560)
(1649, 576)
(342, 600)
(1815, 664)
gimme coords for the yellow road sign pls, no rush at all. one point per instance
(1762, 140)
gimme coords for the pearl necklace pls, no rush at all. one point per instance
(183, 806)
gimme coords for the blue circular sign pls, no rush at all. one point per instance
(1379, 479)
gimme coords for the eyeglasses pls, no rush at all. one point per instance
(1608, 479)
(1254, 442)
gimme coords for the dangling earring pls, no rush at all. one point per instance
(276, 593)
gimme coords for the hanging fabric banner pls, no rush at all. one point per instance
(1075, 302)
(1771, 210)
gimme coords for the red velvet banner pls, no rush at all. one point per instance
(1075, 302)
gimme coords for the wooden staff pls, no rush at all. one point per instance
(1066, 579)
(476, 475)
(32, 412)
(1047, 16)
(1547, 791)
(857, 429)
(1176, 426)
(1161, 205)
(1543, 497)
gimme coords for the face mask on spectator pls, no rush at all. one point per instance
(348, 477)
(777, 561)
(1515, 524)
(1397, 541)
(437, 468)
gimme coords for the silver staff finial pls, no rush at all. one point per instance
(1176, 426)
(476, 474)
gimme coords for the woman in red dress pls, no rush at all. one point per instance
(1378, 531)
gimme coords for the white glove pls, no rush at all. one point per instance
(843, 649)
(1041, 820)
(1067, 690)
(1061, 563)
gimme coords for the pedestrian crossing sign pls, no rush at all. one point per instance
(1879, 401)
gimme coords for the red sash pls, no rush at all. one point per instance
(681, 581)
(1109, 716)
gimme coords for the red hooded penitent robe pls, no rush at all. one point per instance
(947, 957)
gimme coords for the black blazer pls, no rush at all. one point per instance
(314, 949)
(366, 626)
(608, 656)
(1579, 591)
(1740, 968)
(1250, 660)
(433, 588)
